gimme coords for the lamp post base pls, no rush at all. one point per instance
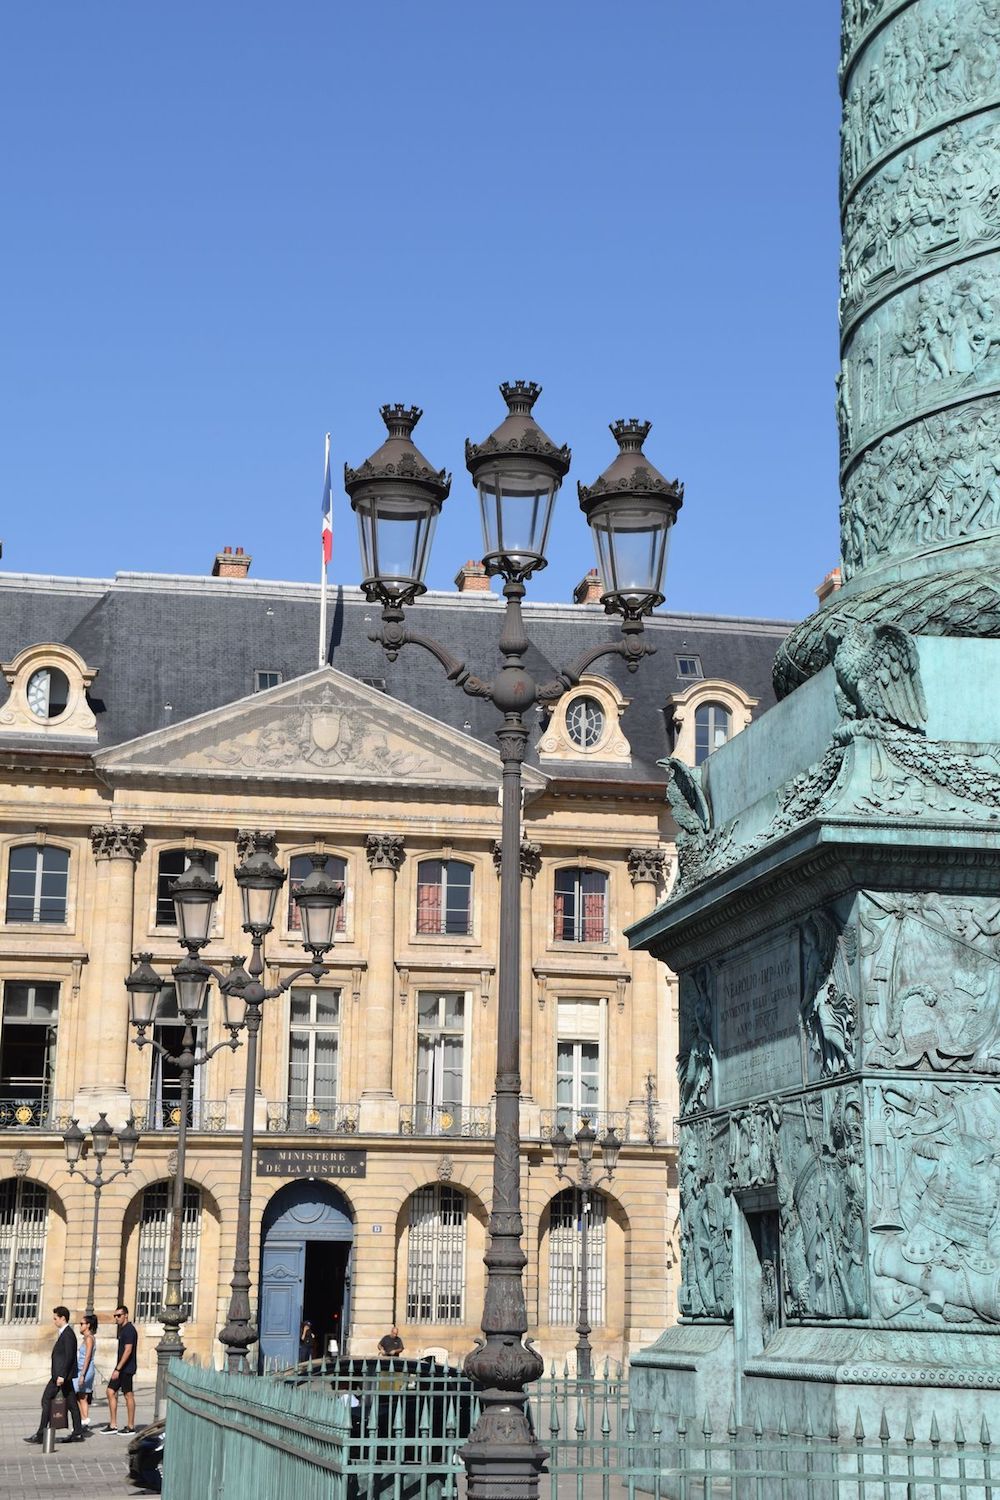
(170, 1347)
(503, 1459)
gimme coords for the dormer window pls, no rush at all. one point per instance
(585, 722)
(48, 693)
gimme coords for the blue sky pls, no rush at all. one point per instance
(232, 226)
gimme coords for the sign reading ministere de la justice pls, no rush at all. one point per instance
(288, 1162)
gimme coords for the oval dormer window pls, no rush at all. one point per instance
(585, 722)
(48, 692)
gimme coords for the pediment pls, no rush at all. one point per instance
(323, 727)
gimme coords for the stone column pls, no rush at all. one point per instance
(378, 1107)
(531, 863)
(646, 868)
(104, 1047)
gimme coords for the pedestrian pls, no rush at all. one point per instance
(86, 1369)
(63, 1369)
(122, 1377)
(390, 1344)
(306, 1341)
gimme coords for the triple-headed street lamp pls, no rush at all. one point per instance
(397, 496)
(75, 1142)
(194, 894)
(584, 1183)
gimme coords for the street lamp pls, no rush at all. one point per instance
(517, 472)
(584, 1183)
(194, 893)
(75, 1142)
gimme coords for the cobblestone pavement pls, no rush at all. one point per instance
(95, 1470)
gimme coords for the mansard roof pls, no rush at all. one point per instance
(169, 648)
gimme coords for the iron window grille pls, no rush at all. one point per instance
(37, 883)
(24, 1208)
(444, 897)
(580, 912)
(155, 1216)
(435, 1262)
(299, 866)
(565, 1215)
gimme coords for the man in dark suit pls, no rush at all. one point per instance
(61, 1382)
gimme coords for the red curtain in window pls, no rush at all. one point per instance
(429, 918)
(559, 915)
(593, 916)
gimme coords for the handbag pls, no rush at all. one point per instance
(58, 1418)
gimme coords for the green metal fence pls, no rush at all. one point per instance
(393, 1430)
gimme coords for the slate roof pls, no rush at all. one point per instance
(169, 647)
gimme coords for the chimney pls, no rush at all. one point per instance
(472, 579)
(831, 583)
(230, 564)
(589, 589)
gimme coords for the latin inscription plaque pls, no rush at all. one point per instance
(303, 1162)
(758, 1042)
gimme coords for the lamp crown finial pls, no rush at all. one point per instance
(630, 434)
(400, 419)
(520, 396)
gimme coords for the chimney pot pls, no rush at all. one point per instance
(230, 564)
(472, 579)
(589, 589)
(831, 583)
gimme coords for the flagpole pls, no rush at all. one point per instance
(322, 577)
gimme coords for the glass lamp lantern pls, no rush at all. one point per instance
(144, 986)
(73, 1140)
(397, 497)
(128, 1140)
(630, 510)
(260, 880)
(318, 899)
(560, 1149)
(585, 1138)
(194, 896)
(610, 1150)
(101, 1134)
(191, 986)
(517, 472)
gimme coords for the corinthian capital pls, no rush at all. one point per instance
(384, 850)
(117, 841)
(647, 865)
(530, 858)
(249, 840)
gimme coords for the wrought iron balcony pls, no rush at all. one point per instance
(165, 1115)
(313, 1117)
(33, 1110)
(601, 1121)
(468, 1120)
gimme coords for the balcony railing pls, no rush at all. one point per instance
(202, 1114)
(33, 1111)
(315, 1117)
(601, 1121)
(468, 1120)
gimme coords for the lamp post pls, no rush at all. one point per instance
(75, 1142)
(397, 496)
(584, 1183)
(193, 900)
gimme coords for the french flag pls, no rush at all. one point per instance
(327, 509)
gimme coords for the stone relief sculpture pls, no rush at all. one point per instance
(878, 679)
(695, 1064)
(935, 480)
(706, 1226)
(938, 202)
(753, 1145)
(936, 1208)
(829, 1010)
(691, 813)
(914, 73)
(931, 967)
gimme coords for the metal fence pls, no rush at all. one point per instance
(394, 1429)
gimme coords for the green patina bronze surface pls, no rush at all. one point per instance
(835, 923)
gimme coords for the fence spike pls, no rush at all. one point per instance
(859, 1427)
(656, 1423)
(552, 1371)
(581, 1420)
(984, 1433)
(566, 1368)
(959, 1430)
(606, 1421)
(758, 1426)
(706, 1425)
(554, 1420)
(935, 1434)
(630, 1427)
(833, 1431)
(783, 1423)
(807, 1431)
(732, 1429)
(883, 1427)
(681, 1424)
(909, 1436)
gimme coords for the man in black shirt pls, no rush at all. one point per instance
(61, 1383)
(390, 1344)
(123, 1374)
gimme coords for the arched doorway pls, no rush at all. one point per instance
(306, 1242)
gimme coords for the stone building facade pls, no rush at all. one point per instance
(149, 716)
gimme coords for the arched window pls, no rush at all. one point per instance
(713, 724)
(580, 913)
(444, 897)
(565, 1246)
(37, 878)
(24, 1208)
(171, 863)
(435, 1261)
(155, 1215)
(299, 866)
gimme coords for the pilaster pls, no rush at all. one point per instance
(117, 847)
(378, 1105)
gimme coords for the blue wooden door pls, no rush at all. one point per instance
(282, 1277)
